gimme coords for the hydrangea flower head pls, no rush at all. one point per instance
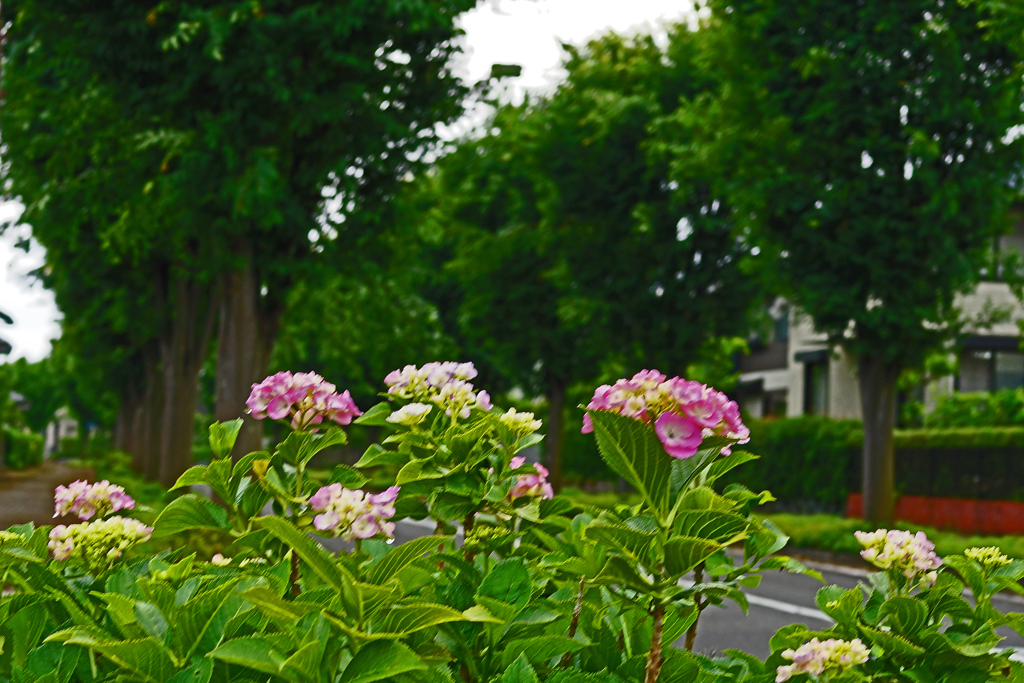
(530, 485)
(817, 657)
(354, 514)
(520, 424)
(445, 385)
(305, 396)
(683, 412)
(83, 500)
(990, 558)
(97, 544)
(913, 555)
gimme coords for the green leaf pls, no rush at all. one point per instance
(683, 553)
(520, 672)
(200, 672)
(508, 581)
(378, 455)
(416, 470)
(906, 615)
(385, 568)
(408, 618)
(633, 542)
(251, 652)
(376, 416)
(223, 436)
(729, 462)
(539, 649)
(190, 512)
(347, 476)
(480, 614)
(968, 571)
(842, 605)
(891, 643)
(976, 644)
(311, 552)
(306, 660)
(632, 451)
(193, 475)
(268, 602)
(381, 659)
(196, 615)
(713, 525)
(146, 658)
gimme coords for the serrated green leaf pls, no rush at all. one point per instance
(683, 553)
(539, 648)
(251, 652)
(713, 525)
(381, 659)
(190, 512)
(520, 671)
(311, 552)
(628, 540)
(387, 567)
(376, 454)
(196, 615)
(508, 581)
(223, 436)
(146, 658)
(376, 416)
(632, 451)
(401, 620)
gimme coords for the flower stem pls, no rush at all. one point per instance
(691, 633)
(295, 574)
(575, 621)
(654, 658)
(467, 526)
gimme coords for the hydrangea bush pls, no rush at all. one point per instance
(514, 585)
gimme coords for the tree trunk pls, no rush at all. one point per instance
(244, 342)
(182, 352)
(878, 403)
(556, 432)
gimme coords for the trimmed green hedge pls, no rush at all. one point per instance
(21, 449)
(812, 463)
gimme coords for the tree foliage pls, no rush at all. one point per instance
(566, 250)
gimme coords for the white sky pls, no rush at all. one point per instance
(524, 32)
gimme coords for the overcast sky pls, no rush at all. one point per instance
(524, 32)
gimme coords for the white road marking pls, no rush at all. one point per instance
(788, 608)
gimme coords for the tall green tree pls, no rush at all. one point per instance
(195, 143)
(867, 141)
(565, 248)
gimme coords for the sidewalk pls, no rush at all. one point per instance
(27, 496)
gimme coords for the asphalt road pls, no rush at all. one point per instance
(780, 600)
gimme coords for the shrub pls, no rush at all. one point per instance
(981, 409)
(540, 590)
(20, 448)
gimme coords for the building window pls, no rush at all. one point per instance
(990, 370)
(816, 365)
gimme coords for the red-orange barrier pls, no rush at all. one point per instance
(996, 517)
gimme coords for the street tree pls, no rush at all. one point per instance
(867, 143)
(196, 142)
(565, 249)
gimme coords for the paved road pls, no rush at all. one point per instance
(781, 599)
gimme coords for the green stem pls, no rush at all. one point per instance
(654, 658)
(691, 633)
(575, 621)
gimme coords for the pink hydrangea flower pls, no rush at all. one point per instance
(681, 436)
(305, 396)
(817, 657)
(83, 500)
(911, 554)
(683, 412)
(530, 485)
(354, 514)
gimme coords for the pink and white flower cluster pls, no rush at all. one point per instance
(306, 396)
(97, 544)
(354, 514)
(443, 384)
(84, 500)
(817, 657)
(913, 555)
(530, 485)
(684, 413)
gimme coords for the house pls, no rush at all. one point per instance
(795, 373)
